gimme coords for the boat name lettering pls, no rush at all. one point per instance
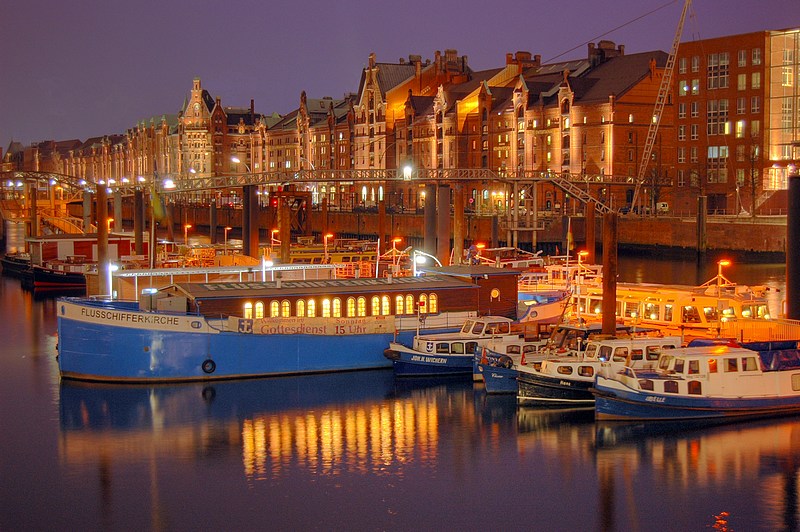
(431, 360)
(129, 317)
(653, 399)
(565, 383)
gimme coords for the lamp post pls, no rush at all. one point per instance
(225, 248)
(273, 241)
(420, 257)
(109, 221)
(186, 228)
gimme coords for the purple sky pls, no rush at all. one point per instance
(89, 68)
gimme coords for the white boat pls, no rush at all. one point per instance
(449, 353)
(496, 363)
(690, 311)
(705, 382)
(568, 377)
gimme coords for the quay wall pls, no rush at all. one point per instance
(758, 235)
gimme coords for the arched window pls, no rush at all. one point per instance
(361, 306)
(337, 307)
(286, 309)
(248, 310)
(399, 305)
(423, 304)
(326, 308)
(433, 304)
(259, 310)
(409, 304)
(311, 311)
(274, 309)
(385, 310)
(376, 306)
(351, 307)
(300, 307)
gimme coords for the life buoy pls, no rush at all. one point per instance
(209, 366)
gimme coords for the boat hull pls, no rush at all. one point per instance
(409, 363)
(14, 266)
(118, 345)
(617, 404)
(47, 278)
(498, 380)
(538, 389)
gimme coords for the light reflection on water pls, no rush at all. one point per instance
(365, 451)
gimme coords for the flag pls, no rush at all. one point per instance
(156, 204)
(570, 241)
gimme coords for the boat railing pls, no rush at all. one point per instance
(754, 329)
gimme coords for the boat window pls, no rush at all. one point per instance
(565, 370)
(528, 349)
(591, 351)
(409, 304)
(385, 310)
(712, 365)
(471, 347)
(457, 348)
(646, 384)
(694, 387)
(586, 371)
(311, 311)
(286, 310)
(651, 311)
(670, 386)
(679, 364)
(652, 352)
(749, 364)
(663, 363)
(345, 259)
(512, 350)
(710, 313)
(423, 304)
(795, 382)
(443, 347)
(631, 309)
(248, 310)
(361, 306)
(620, 354)
(326, 308)
(605, 353)
(636, 354)
(668, 312)
(694, 367)
(690, 314)
(477, 328)
(433, 300)
(595, 306)
(497, 328)
(336, 307)
(274, 309)
(300, 308)
(259, 309)
(467, 327)
(398, 303)
(375, 309)
(351, 307)
(731, 365)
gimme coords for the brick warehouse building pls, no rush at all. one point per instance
(585, 117)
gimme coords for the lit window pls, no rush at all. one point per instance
(337, 307)
(351, 307)
(326, 308)
(274, 309)
(399, 305)
(259, 310)
(248, 310)
(361, 306)
(433, 304)
(286, 309)
(301, 307)
(385, 310)
(311, 311)
(409, 304)
(375, 306)
(423, 304)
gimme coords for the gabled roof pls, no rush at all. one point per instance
(390, 75)
(421, 104)
(619, 74)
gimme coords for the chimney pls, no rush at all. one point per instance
(509, 58)
(252, 110)
(372, 60)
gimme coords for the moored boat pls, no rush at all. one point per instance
(15, 264)
(200, 331)
(568, 378)
(705, 382)
(449, 353)
(496, 363)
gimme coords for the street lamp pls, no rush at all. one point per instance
(108, 224)
(186, 228)
(225, 248)
(273, 241)
(420, 257)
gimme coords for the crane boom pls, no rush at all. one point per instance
(661, 100)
